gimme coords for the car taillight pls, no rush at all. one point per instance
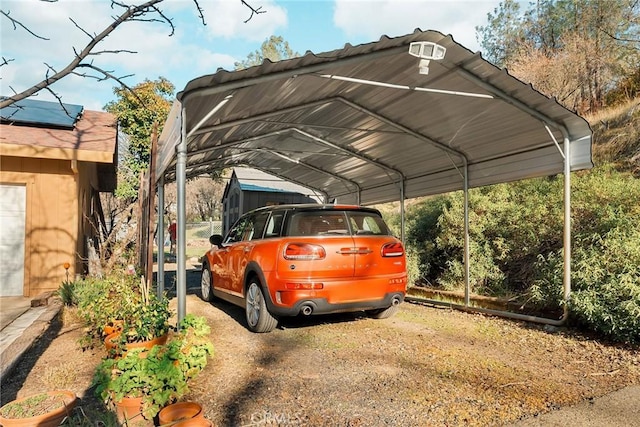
(392, 249)
(304, 251)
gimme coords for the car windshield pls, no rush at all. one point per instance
(327, 222)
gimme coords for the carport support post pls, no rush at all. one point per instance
(181, 243)
(402, 213)
(567, 226)
(467, 289)
(160, 239)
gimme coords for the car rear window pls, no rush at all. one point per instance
(328, 222)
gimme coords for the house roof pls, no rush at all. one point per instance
(42, 113)
(93, 139)
(373, 123)
(256, 180)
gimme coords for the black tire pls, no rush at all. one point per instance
(258, 317)
(206, 284)
(383, 313)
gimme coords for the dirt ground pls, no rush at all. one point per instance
(424, 366)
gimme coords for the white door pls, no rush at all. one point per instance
(12, 221)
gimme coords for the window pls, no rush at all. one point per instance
(318, 223)
(274, 225)
(240, 230)
(363, 223)
(259, 225)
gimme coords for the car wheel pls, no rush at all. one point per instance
(258, 317)
(206, 284)
(383, 313)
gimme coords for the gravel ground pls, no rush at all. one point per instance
(424, 366)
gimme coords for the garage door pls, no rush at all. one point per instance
(12, 219)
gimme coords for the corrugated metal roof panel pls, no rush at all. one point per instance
(361, 121)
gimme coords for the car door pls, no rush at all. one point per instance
(222, 266)
(233, 252)
(249, 231)
(377, 252)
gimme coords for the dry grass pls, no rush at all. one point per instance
(613, 113)
(616, 136)
(60, 377)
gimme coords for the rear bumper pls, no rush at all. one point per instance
(322, 306)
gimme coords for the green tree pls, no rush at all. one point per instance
(504, 33)
(577, 50)
(275, 48)
(137, 112)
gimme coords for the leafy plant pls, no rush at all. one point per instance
(160, 376)
(67, 293)
(516, 246)
(125, 298)
(38, 404)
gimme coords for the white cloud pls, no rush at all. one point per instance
(156, 55)
(226, 18)
(373, 18)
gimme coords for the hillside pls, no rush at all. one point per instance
(616, 136)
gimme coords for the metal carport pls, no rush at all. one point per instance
(371, 124)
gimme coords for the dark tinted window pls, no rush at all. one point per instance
(330, 222)
(239, 230)
(259, 225)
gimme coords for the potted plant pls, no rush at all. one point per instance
(144, 329)
(46, 409)
(157, 377)
(103, 302)
(138, 385)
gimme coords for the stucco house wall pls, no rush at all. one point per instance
(63, 172)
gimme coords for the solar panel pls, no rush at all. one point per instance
(42, 113)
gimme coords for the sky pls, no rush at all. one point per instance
(195, 49)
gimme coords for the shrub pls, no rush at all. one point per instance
(161, 375)
(516, 246)
(122, 297)
(605, 294)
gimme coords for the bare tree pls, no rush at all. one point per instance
(204, 198)
(81, 64)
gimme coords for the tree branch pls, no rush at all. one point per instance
(6, 61)
(17, 24)
(254, 11)
(131, 13)
(619, 38)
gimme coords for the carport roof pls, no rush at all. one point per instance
(361, 124)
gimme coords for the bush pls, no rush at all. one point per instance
(605, 294)
(516, 246)
(122, 297)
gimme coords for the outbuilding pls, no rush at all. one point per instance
(55, 159)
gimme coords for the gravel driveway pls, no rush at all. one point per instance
(425, 366)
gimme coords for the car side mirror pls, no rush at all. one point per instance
(216, 240)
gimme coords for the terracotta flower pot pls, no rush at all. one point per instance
(129, 409)
(194, 422)
(113, 327)
(51, 418)
(179, 411)
(111, 343)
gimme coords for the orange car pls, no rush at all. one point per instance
(306, 259)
